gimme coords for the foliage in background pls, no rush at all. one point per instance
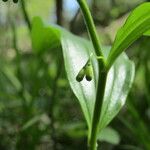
(27, 87)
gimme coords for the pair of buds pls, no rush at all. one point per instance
(15, 1)
(86, 71)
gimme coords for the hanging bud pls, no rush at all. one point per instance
(88, 71)
(5, 0)
(15, 1)
(80, 75)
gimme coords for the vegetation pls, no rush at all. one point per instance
(37, 108)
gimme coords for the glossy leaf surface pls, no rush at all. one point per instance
(76, 52)
(118, 84)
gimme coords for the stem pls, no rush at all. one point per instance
(91, 27)
(25, 14)
(59, 11)
(73, 21)
(97, 110)
(102, 74)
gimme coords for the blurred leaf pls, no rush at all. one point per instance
(43, 38)
(109, 135)
(9, 73)
(37, 38)
(31, 122)
(40, 118)
(44, 9)
(147, 33)
(75, 129)
(137, 23)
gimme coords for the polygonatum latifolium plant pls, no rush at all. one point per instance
(111, 73)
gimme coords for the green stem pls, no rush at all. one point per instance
(91, 27)
(25, 14)
(59, 12)
(97, 111)
(102, 74)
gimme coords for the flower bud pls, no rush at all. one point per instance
(88, 72)
(5, 0)
(15, 1)
(80, 75)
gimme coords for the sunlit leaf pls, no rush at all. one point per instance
(118, 84)
(135, 26)
(76, 52)
(147, 33)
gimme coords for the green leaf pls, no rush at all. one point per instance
(147, 33)
(135, 26)
(74, 129)
(76, 53)
(43, 38)
(34, 120)
(37, 38)
(118, 84)
(10, 75)
(109, 135)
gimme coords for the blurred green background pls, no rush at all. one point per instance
(38, 110)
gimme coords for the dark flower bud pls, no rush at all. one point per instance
(88, 72)
(5, 0)
(80, 75)
(15, 1)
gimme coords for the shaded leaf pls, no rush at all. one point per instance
(9, 73)
(74, 129)
(34, 120)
